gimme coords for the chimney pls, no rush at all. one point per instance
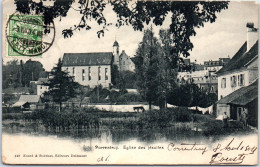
(252, 35)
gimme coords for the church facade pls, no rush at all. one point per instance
(92, 69)
(123, 61)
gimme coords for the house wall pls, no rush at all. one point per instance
(221, 108)
(253, 70)
(213, 68)
(250, 74)
(125, 63)
(222, 92)
(211, 88)
(41, 89)
(83, 78)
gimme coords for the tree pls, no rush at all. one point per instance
(99, 94)
(61, 86)
(11, 74)
(129, 79)
(147, 67)
(168, 65)
(31, 71)
(185, 16)
(189, 94)
(114, 74)
(82, 93)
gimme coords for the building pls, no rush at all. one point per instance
(214, 66)
(202, 75)
(238, 78)
(29, 102)
(41, 87)
(92, 69)
(126, 63)
(123, 61)
(244, 99)
(89, 69)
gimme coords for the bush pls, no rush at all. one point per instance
(182, 114)
(155, 119)
(130, 97)
(213, 127)
(164, 118)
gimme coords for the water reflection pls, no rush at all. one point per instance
(114, 135)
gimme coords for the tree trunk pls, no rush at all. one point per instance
(60, 106)
(150, 105)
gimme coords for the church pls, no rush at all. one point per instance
(92, 69)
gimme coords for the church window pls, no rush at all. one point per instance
(73, 71)
(89, 73)
(83, 74)
(99, 73)
(106, 74)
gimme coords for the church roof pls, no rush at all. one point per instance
(115, 43)
(86, 59)
(240, 59)
(123, 54)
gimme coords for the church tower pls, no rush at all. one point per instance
(116, 53)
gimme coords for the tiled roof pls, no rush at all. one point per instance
(124, 54)
(240, 59)
(85, 59)
(241, 96)
(199, 67)
(29, 98)
(42, 81)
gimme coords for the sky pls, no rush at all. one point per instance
(215, 40)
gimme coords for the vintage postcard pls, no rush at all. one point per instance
(113, 82)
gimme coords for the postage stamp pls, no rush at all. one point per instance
(130, 82)
(28, 36)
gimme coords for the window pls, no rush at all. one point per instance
(241, 80)
(233, 80)
(83, 74)
(89, 73)
(73, 71)
(223, 83)
(106, 74)
(212, 89)
(99, 73)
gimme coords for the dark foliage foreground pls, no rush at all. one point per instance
(180, 119)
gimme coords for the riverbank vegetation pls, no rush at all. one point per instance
(179, 119)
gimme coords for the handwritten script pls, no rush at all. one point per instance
(235, 153)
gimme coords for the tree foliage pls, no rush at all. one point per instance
(31, 71)
(20, 74)
(11, 74)
(189, 94)
(61, 86)
(147, 67)
(185, 16)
